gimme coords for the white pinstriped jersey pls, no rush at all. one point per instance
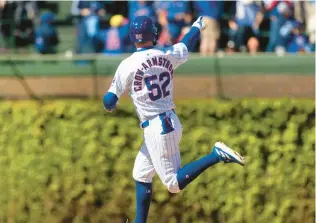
(148, 76)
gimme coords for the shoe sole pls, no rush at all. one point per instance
(239, 159)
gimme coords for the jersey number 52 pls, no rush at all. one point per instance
(158, 90)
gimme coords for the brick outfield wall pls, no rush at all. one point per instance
(267, 86)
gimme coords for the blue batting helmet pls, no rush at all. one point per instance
(142, 29)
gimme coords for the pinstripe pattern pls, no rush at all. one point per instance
(163, 154)
(143, 168)
(160, 153)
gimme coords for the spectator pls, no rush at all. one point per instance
(6, 19)
(173, 16)
(88, 25)
(285, 34)
(253, 45)
(46, 36)
(279, 13)
(245, 25)
(211, 11)
(311, 30)
(115, 39)
(24, 16)
(297, 40)
(140, 8)
(305, 12)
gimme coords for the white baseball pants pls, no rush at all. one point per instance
(160, 153)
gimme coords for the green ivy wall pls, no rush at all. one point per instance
(64, 161)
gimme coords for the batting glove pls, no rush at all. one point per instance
(199, 23)
(109, 101)
(109, 109)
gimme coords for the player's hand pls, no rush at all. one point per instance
(199, 23)
(109, 110)
(110, 100)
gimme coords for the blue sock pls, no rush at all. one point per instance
(192, 170)
(143, 199)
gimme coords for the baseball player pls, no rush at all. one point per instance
(148, 75)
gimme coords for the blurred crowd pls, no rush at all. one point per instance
(235, 26)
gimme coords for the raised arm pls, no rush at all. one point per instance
(193, 35)
(179, 52)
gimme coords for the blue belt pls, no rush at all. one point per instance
(144, 124)
(165, 121)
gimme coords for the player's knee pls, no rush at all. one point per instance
(172, 185)
(174, 190)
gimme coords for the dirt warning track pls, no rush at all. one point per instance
(267, 86)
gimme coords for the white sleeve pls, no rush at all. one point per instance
(179, 52)
(122, 80)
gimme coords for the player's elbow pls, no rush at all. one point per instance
(110, 100)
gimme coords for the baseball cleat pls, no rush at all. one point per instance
(227, 155)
